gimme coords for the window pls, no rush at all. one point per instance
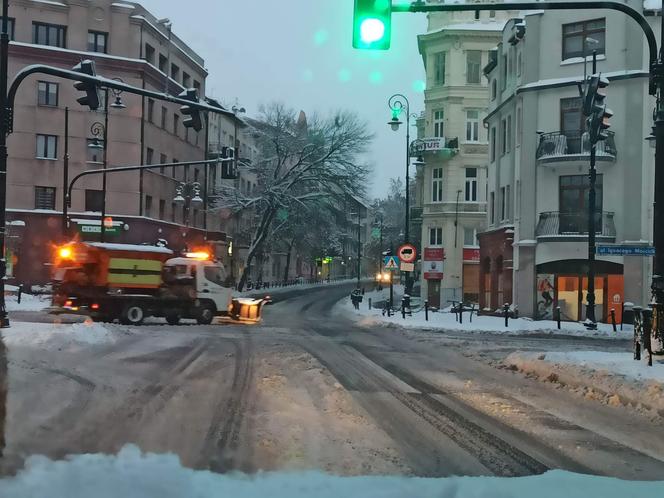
(197, 86)
(95, 154)
(148, 206)
(163, 61)
(493, 143)
(437, 185)
(97, 42)
(162, 209)
(439, 68)
(52, 35)
(173, 211)
(196, 173)
(186, 173)
(94, 201)
(519, 124)
(472, 126)
(471, 185)
(503, 137)
(47, 93)
(11, 27)
(45, 198)
(149, 156)
(47, 147)
(151, 110)
(503, 203)
(494, 89)
(215, 274)
(572, 123)
(176, 124)
(164, 113)
(508, 133)
(438, 124)
(162, 160)
(503, 73)
(492, 14)
(518, 64)
(492, 207)
(149, 53)
(175, 72)
(186, 79)
(573, 202)
(435, 236)
(575, 34)
(470, 237)
(508, 193)
(174, 172)
(473, 64)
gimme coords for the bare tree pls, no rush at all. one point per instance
(301, 165)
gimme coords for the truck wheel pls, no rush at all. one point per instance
(205, 314)
(132, 314)
(173, 318)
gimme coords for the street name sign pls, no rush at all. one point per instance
(623, 250)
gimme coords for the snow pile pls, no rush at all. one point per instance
(275, 291)
(445, 320)
(55, 335)
(28, 302)
(613, 378)
(132, 474)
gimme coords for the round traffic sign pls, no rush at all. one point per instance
(407, 253)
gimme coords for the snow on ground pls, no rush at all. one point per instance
(28, 302)
(132, 474)
(56, 335)
(444, 320)
(273, 291)
(613, 378)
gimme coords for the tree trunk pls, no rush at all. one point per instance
(288, 259)
(259, 237)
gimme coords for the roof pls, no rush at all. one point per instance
(472, 26)
(131, 247)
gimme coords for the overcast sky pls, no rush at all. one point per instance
(299, 52)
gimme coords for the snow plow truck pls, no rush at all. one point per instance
(130, 283)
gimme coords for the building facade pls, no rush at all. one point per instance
(534, 251)
(126, 42)
(451, 186)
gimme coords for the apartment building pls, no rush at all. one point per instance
(451, 185)
(534, 251)
(128, 43)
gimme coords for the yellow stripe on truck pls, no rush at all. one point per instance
(128, 272)
(123, 279)
(134, 264)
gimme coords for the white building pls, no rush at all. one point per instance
(451, 190)
(534, 253)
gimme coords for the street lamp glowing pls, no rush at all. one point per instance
(371, 30)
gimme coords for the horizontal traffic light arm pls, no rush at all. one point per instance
(143, 167)
(102, 82)
(420, 6)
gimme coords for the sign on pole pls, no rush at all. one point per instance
(434, 258)
(407, 253)
(391, 263)
(622, 250)
(408, 267)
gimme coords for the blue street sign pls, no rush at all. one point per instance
(392, 263)
(625, 251)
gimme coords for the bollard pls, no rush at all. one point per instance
(506, 310)
(558, 316)
(403, 308)
(461, 313)
(20, 293)
(369, 303)
(426, 311)
(613, 319)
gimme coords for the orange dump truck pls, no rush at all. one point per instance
(133, 282)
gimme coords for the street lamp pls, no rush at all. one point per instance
(399, 103)
(189, 196)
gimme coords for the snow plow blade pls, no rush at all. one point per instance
(247, 310)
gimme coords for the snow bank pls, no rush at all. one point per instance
(55, 335)
(480, 324)
(275, 291)
(132, 474)
(613, 378)
(28, 302)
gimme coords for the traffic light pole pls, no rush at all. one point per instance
(591, 320)
(4, 120)
(102, 237)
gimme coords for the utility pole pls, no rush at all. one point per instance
(359, 244)
(105, 166)
(65, 179)
(4, 118)
(591, 320)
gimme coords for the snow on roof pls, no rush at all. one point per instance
(652, 4)
(472, 26)
(124, 5)
(131, 247)
(51, 2)
(573, 79)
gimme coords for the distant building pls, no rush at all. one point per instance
(129, 43)
(534, 251)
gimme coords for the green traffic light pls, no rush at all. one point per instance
(372, 30)
(372, 24)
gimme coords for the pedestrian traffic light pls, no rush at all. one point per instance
(193, 115)
(372, 24)
(91, 97)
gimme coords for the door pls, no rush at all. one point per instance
(211, 280)
(572, 123)
(433, 292)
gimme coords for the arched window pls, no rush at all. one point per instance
(493, 89)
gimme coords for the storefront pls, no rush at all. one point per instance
(564, 284)
(471, 275)
(432, 269)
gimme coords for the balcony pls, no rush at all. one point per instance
(555, 225)
(572, 146)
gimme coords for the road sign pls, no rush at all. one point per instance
(622, 250)
(407, 266)
(391, 263)
(407, 253)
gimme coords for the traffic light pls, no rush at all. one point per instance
(228, 165)
(598, 123)
(193, 115)
(594, 106)
(372, 24)
(592, 93)
(91, 98)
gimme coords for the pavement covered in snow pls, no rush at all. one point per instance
(613, 378)
(56, 335)
(28, 302)
(445, 320)
(132, 474)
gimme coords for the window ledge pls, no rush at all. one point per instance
(580, 60)
(47, 158)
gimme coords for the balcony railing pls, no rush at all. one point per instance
(555, 224)
(564, 145)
